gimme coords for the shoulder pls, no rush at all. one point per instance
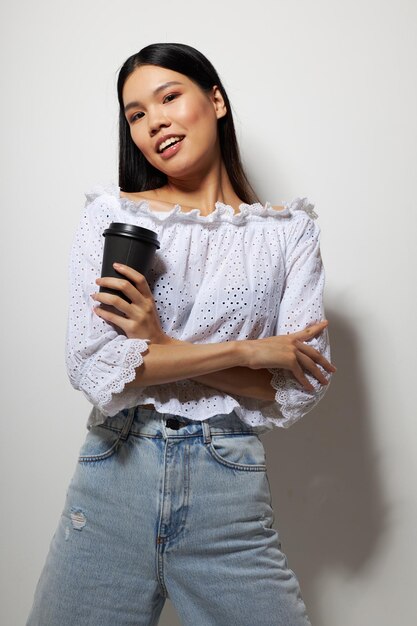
(296, 208)
(300, 223)
(104, 192)
(102, 205)
(137, 196)
(302, 207)
(296, 214)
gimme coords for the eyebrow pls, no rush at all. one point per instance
(136, 103)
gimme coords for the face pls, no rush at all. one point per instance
(172, 120)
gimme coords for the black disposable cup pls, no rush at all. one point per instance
(130, 245)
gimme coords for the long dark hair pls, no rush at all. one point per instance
(135, 172)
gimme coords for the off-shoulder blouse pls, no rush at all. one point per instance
(217, 277)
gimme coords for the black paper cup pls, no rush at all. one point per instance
(130, 245)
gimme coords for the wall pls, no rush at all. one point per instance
(325, 97)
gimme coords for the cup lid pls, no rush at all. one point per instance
(130, 230)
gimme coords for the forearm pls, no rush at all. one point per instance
(241, 381)
(238, 380)
(180, 360)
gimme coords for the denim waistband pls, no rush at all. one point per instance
(145, 422)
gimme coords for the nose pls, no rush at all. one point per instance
(157, 120)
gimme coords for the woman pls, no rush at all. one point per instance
(224, 339)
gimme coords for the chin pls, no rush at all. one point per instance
(178, 170)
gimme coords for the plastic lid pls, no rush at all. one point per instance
(130, 230)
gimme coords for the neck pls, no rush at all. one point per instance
(201, 191)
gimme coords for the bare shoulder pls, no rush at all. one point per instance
(151, 197)
(137, 195)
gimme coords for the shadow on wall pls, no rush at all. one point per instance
(326, 493)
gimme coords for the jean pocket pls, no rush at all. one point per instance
(241, 452)
(100, 443)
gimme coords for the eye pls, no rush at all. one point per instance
(170, 97)
(136, 116)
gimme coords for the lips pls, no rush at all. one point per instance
(166, 141)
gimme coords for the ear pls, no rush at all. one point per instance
(218, 102)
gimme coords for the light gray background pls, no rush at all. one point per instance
(325, 100)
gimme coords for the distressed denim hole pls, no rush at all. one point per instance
(78, 519)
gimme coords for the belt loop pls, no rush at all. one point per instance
(128, 423)
(206, 431)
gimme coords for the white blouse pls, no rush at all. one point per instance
(215, 278)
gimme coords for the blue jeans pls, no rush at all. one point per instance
(162, 506)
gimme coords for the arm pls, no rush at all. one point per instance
(165, 363)
(301, 305)
(239, 380)
(100, 359)
(171, 360)
(258, 384)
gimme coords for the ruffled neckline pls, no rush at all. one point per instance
(222, 212)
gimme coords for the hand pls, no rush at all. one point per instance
(139, 319)
(289, 352)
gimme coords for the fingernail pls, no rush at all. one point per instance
(117, 265)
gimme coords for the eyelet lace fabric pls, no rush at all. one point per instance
(217, 277)
(133, 359)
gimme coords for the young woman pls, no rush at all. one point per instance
(224, 339)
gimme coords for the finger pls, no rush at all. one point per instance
(302, 379)
(138, 278)
(112, 318)
(115, 301)
(309, 366)
(312, 331)
(123, 285)
(316, 356)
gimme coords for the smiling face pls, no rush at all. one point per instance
(172, 120)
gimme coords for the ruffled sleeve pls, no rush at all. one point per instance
(100, 359)
(301, 305)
